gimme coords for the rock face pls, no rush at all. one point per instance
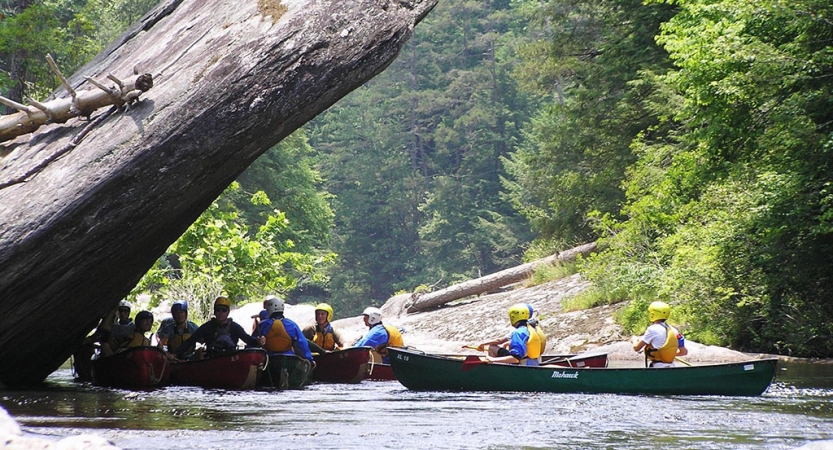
(86, 209)
(479, 319)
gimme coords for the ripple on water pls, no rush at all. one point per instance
(386, 415)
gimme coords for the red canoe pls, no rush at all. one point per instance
(238, 370)
(342, 366)
(134, 368)
(383, 372)
(380, 372)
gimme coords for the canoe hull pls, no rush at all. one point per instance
(384, 372)
(238, 370)
(418, 371)
(343, 366)
(380, 372)
(286, 372)
(134, 368)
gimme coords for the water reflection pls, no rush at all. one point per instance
(795, 410)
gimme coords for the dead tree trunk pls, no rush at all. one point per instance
(87, 207)
(493, 281)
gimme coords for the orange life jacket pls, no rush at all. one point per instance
(325, 339)
(277, 339)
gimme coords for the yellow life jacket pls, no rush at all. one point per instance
(537, 342)
(176, 340)
(394, 340)
(325, 339)
(277, 339)
(668, 351)
(138, 340)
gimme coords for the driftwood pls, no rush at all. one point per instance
(493, 281)
(83, 103)
(87, 207)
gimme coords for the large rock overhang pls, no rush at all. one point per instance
(86, 210)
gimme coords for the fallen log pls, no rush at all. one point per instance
(86, 207)
(422, 302)
(84, 103)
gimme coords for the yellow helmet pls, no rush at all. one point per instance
(222, 301)
(658, 311)
(325, 307)
(518, 312)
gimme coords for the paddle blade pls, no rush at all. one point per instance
(472, 361)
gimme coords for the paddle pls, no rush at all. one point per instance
(683, 361)
(553, 360)
(472, 361)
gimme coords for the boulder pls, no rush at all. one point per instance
(87, 206)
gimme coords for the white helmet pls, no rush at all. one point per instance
(273, 304)
(374, 315)
(124, 304)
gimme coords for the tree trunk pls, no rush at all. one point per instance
(493, 281)
(87, 207)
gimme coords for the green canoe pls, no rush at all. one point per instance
(422, 372)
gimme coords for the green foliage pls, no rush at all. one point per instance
(590, 298)
(550, 272)
(71, 31)
(583, 58)
(285, 175)
(727, 204)
(219, 256)
(414, 159)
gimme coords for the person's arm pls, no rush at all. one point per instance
(681, 349)
(337, 339)
(301, 340)
(498, 341)
(313, 347)
(650, 334)
(162, 335)
(375, 337)
(238, 332)
(517, 350)
(191, 342)
(309, 332)
(638, 344)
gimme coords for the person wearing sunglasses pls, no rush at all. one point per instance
(220, 334)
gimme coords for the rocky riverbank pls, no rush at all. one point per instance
(475, 320)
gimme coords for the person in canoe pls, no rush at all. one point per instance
(220, 334)
(379, 336)
(661, 342)
(143, 323)
(119, 330)
(113, 331)
(525, 345)
(256, 319)
(321, 334)
(283, 336)
(177, 329)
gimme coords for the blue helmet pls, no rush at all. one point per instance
(180, 305)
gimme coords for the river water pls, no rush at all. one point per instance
(795, 410)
